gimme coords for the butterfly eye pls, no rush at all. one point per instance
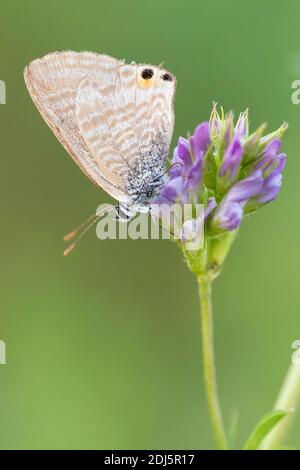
(147, 74)
(167, 77)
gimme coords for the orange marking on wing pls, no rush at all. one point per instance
(145, 83)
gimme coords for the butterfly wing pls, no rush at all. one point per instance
(128, 131)
(52, 83)
(111, 117)
(102, 124)
(154, 105)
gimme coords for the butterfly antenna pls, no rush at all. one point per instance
(90, 221)
(74, 232)
(72, 246)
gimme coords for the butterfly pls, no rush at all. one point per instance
(115, 120)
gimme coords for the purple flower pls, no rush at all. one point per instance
(193, 177)
(246, 188)
(281, 161)
(170, 192)
(270, 154)
(192, 227)
(241, 128)
(241, 173)
(230, 211)
(186, 166)
(232, 158)
(200, 140)
(272, 183)
(181, 158)
(271, 188)
(229, 215)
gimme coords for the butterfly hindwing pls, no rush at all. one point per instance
(109, 116)
(125, 129)
(154, 105)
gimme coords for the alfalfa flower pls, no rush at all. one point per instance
(231, 173)
(228, 170)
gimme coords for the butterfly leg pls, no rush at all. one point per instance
(124, 214)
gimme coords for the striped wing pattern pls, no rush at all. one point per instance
(103, 112)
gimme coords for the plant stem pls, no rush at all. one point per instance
(204, 283)
(288, 399)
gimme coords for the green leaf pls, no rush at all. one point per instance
(232, 427)
(262, 429)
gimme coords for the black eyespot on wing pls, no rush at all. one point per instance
(147, 74)
(167, 77)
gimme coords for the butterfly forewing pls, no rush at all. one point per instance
(96, 116)
(52, 83)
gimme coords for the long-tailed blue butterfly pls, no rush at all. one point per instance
(114, 119)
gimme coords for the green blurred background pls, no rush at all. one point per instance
(103, 347)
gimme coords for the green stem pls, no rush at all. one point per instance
(288, 399)
(210, 381)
